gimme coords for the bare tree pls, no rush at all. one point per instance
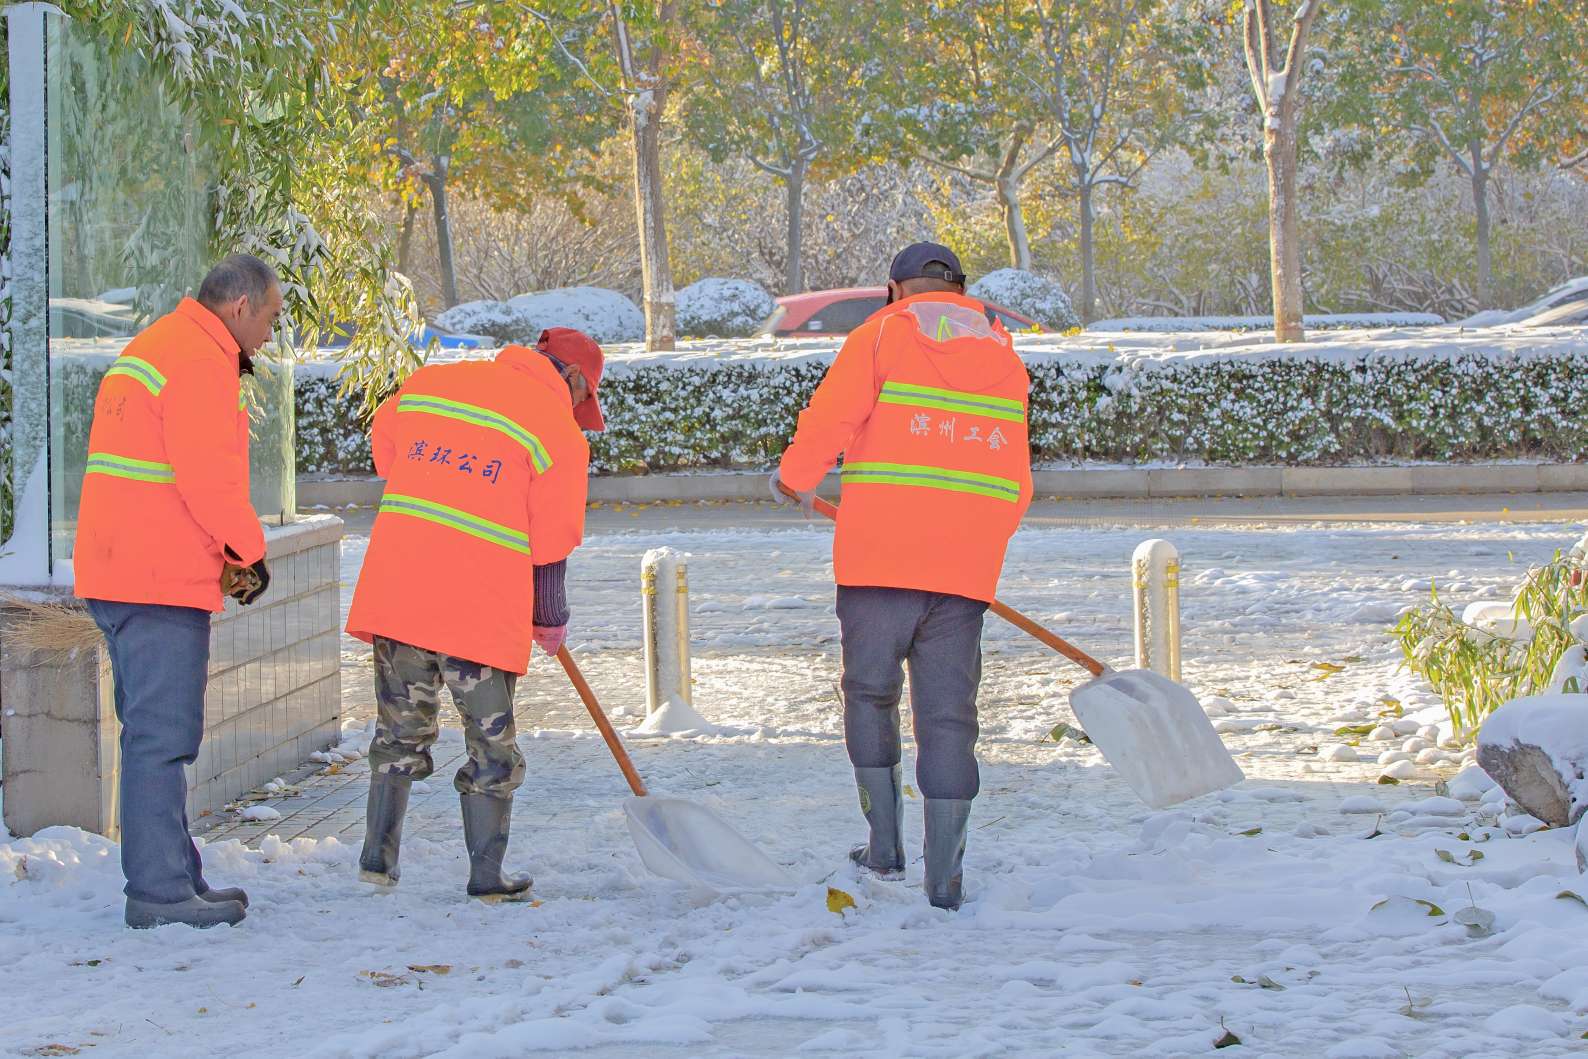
(1276, 83)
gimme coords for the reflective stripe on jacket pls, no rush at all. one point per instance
(166, 484)
(927, 403)
(486, 473)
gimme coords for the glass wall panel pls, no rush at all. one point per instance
(129, 235)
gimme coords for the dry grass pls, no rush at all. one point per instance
(54, 630)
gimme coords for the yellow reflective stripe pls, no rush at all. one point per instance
(452, 518)
(926, 477)
(484, 417)
(127, 467)
(953, 401)
(139, 370)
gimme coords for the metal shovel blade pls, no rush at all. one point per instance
(1156, 735)
(680, 840)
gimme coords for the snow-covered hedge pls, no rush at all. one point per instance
(604, 315)
(1028, 294)
(701, 413)
(1314, 322)
(722, 308)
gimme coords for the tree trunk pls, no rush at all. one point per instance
(1007, 181)
(1088, 256)
(437, 183)
(1284, 241)
(1480, 205)
(405, 242)
(646, 116)
(794, 266)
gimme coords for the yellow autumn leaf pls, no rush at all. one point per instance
(838, 900)
(431, 968)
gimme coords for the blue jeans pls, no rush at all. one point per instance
(160, 657)
(939, 637)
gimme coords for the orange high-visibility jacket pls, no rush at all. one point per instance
(166, 487)
(927, 402)
(486, 473)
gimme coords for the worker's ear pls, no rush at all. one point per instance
(893, 292)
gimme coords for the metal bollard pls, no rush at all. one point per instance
(664, 583)
(1155, 572)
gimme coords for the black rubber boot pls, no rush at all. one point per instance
(383, 828)
(228, 893)
(194, 912)
(946, 822)
(486, 821)
(882, 801)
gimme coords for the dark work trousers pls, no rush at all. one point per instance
(939, 637)
(160, 658)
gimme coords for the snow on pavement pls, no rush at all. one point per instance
(1093, 926)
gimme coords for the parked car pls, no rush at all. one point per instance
(1570, 292)
(1572, 313)
(829, 313)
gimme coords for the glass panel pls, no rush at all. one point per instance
(129, 235)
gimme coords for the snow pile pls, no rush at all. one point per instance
(1313, 322)
(676, 717)
(1029, 295)
(604, 315)
(722, 308)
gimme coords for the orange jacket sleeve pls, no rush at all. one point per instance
(200, 421)
(838, 409)
(381, 443)
(557, 497)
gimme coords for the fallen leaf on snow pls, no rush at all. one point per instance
(431, 968)
(838, 900)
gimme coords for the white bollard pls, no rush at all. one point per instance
(664, 582)
(1155, 572)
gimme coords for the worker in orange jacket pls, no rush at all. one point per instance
(926, 401)
(486, 474)
(164, 519)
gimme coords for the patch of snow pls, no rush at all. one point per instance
(1556, 724)
(675, 717)
(1028, 294)
(259, 814)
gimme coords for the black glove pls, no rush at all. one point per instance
(254, 584)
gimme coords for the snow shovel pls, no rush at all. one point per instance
(678, 839)
(1151, 729)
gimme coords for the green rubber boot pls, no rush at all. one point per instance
(882, 802)
(947, 820)
(383, 828)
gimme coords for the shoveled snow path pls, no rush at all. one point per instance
(1094, 926)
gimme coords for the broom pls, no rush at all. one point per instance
(54, 631)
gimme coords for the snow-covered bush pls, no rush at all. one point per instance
(604, 315)
(1029, 295)
(495, 319)
(722, 308)
(1280, 410)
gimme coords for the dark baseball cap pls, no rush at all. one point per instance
(932, 260)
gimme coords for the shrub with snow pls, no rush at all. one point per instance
(1028, 294)
(495, 319)
(604, 315)
(722, 308)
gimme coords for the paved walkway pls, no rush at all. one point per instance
(330, 802)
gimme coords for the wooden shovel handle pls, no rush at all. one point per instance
(598, 715)
(1003, 610)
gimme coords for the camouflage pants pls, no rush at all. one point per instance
(408, 682)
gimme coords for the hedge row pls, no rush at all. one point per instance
(1220, 411)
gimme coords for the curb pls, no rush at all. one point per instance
(1081, 482)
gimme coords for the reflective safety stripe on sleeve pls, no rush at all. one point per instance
(140, 371)
(452, 518)
(127, 467)
(953, 401)
(925, 477)
(484, 417)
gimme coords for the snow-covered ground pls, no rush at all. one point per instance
(1309, 912)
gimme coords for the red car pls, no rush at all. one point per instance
(820, 313)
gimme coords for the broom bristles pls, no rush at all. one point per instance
(53, 630)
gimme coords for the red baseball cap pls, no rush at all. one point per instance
(579, 349)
